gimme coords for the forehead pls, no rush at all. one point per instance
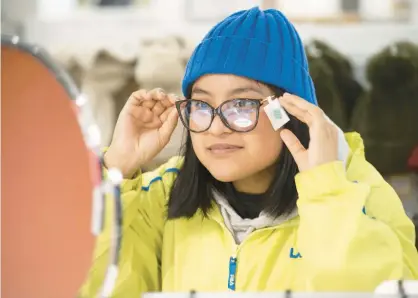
(223, 84)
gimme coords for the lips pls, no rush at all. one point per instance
(218, 147)
(223, 150)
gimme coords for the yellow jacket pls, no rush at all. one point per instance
(351, 234)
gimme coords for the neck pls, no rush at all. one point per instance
(257, 183)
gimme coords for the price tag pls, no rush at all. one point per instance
(275, 112)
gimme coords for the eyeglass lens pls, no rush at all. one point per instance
(239, 114)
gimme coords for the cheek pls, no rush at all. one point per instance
(197, 143)
(262, 149)
(264, 139)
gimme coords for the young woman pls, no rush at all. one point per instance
(249, 208)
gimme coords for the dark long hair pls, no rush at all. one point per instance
(194, 185)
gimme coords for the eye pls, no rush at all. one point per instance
(200, 105)
(243, 103)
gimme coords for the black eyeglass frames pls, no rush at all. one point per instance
(239, 114)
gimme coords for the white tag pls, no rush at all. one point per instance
(277, 115)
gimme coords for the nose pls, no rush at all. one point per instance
(218, 127)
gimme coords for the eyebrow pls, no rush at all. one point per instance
(198, 90)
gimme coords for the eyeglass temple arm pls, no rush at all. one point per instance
(268, 99)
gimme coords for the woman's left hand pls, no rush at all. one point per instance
(323, 145)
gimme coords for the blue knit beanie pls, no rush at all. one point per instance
(260, 45)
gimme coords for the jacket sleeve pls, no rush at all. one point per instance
(144, 210)
(353, 235)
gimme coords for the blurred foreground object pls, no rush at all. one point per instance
(387, 116)
(51, 169)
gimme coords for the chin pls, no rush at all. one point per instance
(226, 171)
(224, 177)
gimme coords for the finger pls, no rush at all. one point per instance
(137, 107)
(169, 100)
(164, 115)
(137, 97)
(147, 119)
(141, 114)
(310, 116)
(302, 115)
(302, 104)
(172, 98)
(158, 108)
(141, 98)
(169, 125)
(299, 102)
(295, 147)
(157, 94)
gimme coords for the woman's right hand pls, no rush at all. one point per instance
(144, 127)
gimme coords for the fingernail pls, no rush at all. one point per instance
(175, 96)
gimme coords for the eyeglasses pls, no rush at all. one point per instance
(239, 115)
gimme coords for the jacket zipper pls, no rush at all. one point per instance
(232, 272)
(233, 260)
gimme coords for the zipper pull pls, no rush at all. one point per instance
(232, 273)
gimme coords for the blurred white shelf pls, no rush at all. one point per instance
(83, 32)
(120, 32)
(88, 30)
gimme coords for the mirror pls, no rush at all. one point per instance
(47, 188)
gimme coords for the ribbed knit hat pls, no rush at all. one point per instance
(260, 45)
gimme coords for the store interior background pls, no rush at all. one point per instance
(113, 47)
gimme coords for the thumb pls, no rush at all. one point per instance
(169, 124)
(295, 147)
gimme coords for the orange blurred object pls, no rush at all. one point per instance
(46, 190)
